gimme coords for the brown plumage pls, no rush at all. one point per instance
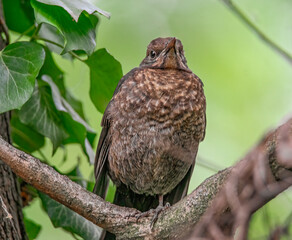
(151, 130)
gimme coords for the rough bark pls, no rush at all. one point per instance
(265, 172)
(11, 224)
(11, 219)
(122, 221)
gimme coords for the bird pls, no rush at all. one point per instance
(151, 130)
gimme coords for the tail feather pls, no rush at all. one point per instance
(125, 197)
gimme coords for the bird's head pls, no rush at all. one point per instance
(165, 53)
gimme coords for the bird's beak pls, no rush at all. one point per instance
(170, 48)
(170, 55)
(171, 44)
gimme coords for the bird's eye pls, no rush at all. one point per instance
(152, 54)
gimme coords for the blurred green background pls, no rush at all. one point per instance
(248, 86)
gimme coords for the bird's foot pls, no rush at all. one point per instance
(155, 211)
(158, 210)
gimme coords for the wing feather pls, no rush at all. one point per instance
(103, 147)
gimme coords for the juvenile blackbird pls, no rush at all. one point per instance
(151, 130)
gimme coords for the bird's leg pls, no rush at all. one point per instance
(160, 197)
(156, 211)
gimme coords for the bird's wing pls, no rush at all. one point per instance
(101, 179)
(100, 165)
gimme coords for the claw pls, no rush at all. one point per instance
(144, 214)
(156, 212)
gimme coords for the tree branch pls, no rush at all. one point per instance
(257, 31)
(263, 174)
(122, 221)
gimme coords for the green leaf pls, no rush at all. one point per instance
(105, 73)
(76, 7)
(51, 69)
(91, 137)
(72, 122)
(90, 186)
(78, 35)
(32, 229)
(91, 182)
(24, 136)
(48, 112)
(19, 15)
(19, 65)
(41, 114)
(62, 105)
(62, 216)
(76, 104)
(51, 33)
(111, 192)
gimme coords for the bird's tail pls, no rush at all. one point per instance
(127, 198)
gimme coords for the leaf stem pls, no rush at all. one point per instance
(59, 45)
(257, 31)
(76, 56)
(48, 41)
(36, 31)
(24, 33)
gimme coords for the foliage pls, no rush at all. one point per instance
(33, 86)
(238, 89)
(106, 69)
(64, 217)
(19, 65)
(31, 228)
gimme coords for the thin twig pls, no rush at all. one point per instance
(257, 31)
(208, 164)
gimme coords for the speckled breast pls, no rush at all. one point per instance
(157, 121)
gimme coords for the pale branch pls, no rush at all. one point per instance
(119, 220)
(122, 221)
(287, 56)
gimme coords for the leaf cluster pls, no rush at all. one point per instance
(34, 87)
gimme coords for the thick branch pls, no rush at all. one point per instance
(119, 220)
(263, 174)
(122, 221)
